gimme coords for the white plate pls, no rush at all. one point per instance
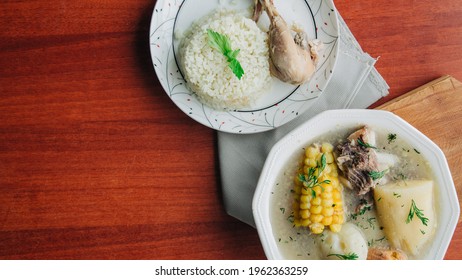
(284, 102)
(447, 204)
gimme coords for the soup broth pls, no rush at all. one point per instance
(299, 242)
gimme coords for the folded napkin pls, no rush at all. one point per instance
(355, 83)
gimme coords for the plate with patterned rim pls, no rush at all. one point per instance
(283, 102)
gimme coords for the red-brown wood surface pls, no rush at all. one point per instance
(96, 162)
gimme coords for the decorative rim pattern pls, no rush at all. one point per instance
(324, 17)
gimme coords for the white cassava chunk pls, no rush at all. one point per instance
(396, 202)
(349, 240)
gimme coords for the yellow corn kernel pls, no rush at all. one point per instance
(336, 195)
(334, 182)
(310, 162)
(305, 214)
(327, 211)
(305, 198)
(335, 227)
(329, 158)
(338, 205)
(337, 219)
(311, 152)
(305, 205)
(327, 221)
(316, 209)
(306, 191)
(327, 147)
(316, 201)
(317, 228)
(326, 194)
(316, 218)
(328, 202)
(317, 190)
(305, 223)
(328, 188)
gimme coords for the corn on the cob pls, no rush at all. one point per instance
(318, 196)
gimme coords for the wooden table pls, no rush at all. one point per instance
(96, 162)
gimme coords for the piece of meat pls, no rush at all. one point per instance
(291, 57)
(357, 161)
(385, 254)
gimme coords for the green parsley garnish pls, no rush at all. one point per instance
(350, 256)
(291, 217)
(365, 145)
(416, 211)
(375, 175)
(391, 137)
(311, 179)
(221, 43)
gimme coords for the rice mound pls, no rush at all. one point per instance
(206, 70)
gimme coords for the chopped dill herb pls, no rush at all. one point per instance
(375, 175)
(397, 195)
(391, 138)
(416, 151)
(365, 145)
(380, 239)
(291, 217)
(364, 209)
(349, 256)
(310, 180)
(283, 210)
(414, 210)
(371, 222)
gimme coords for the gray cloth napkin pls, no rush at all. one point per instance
(355, 83)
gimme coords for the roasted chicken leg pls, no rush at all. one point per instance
(291, 57)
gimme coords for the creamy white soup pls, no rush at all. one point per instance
(402, 205)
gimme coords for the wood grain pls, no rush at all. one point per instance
(96, 162)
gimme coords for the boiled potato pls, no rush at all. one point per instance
(349, 240)
(397, 203)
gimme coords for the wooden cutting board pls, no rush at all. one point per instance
(436, 110)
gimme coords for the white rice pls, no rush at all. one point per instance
(206, 70)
